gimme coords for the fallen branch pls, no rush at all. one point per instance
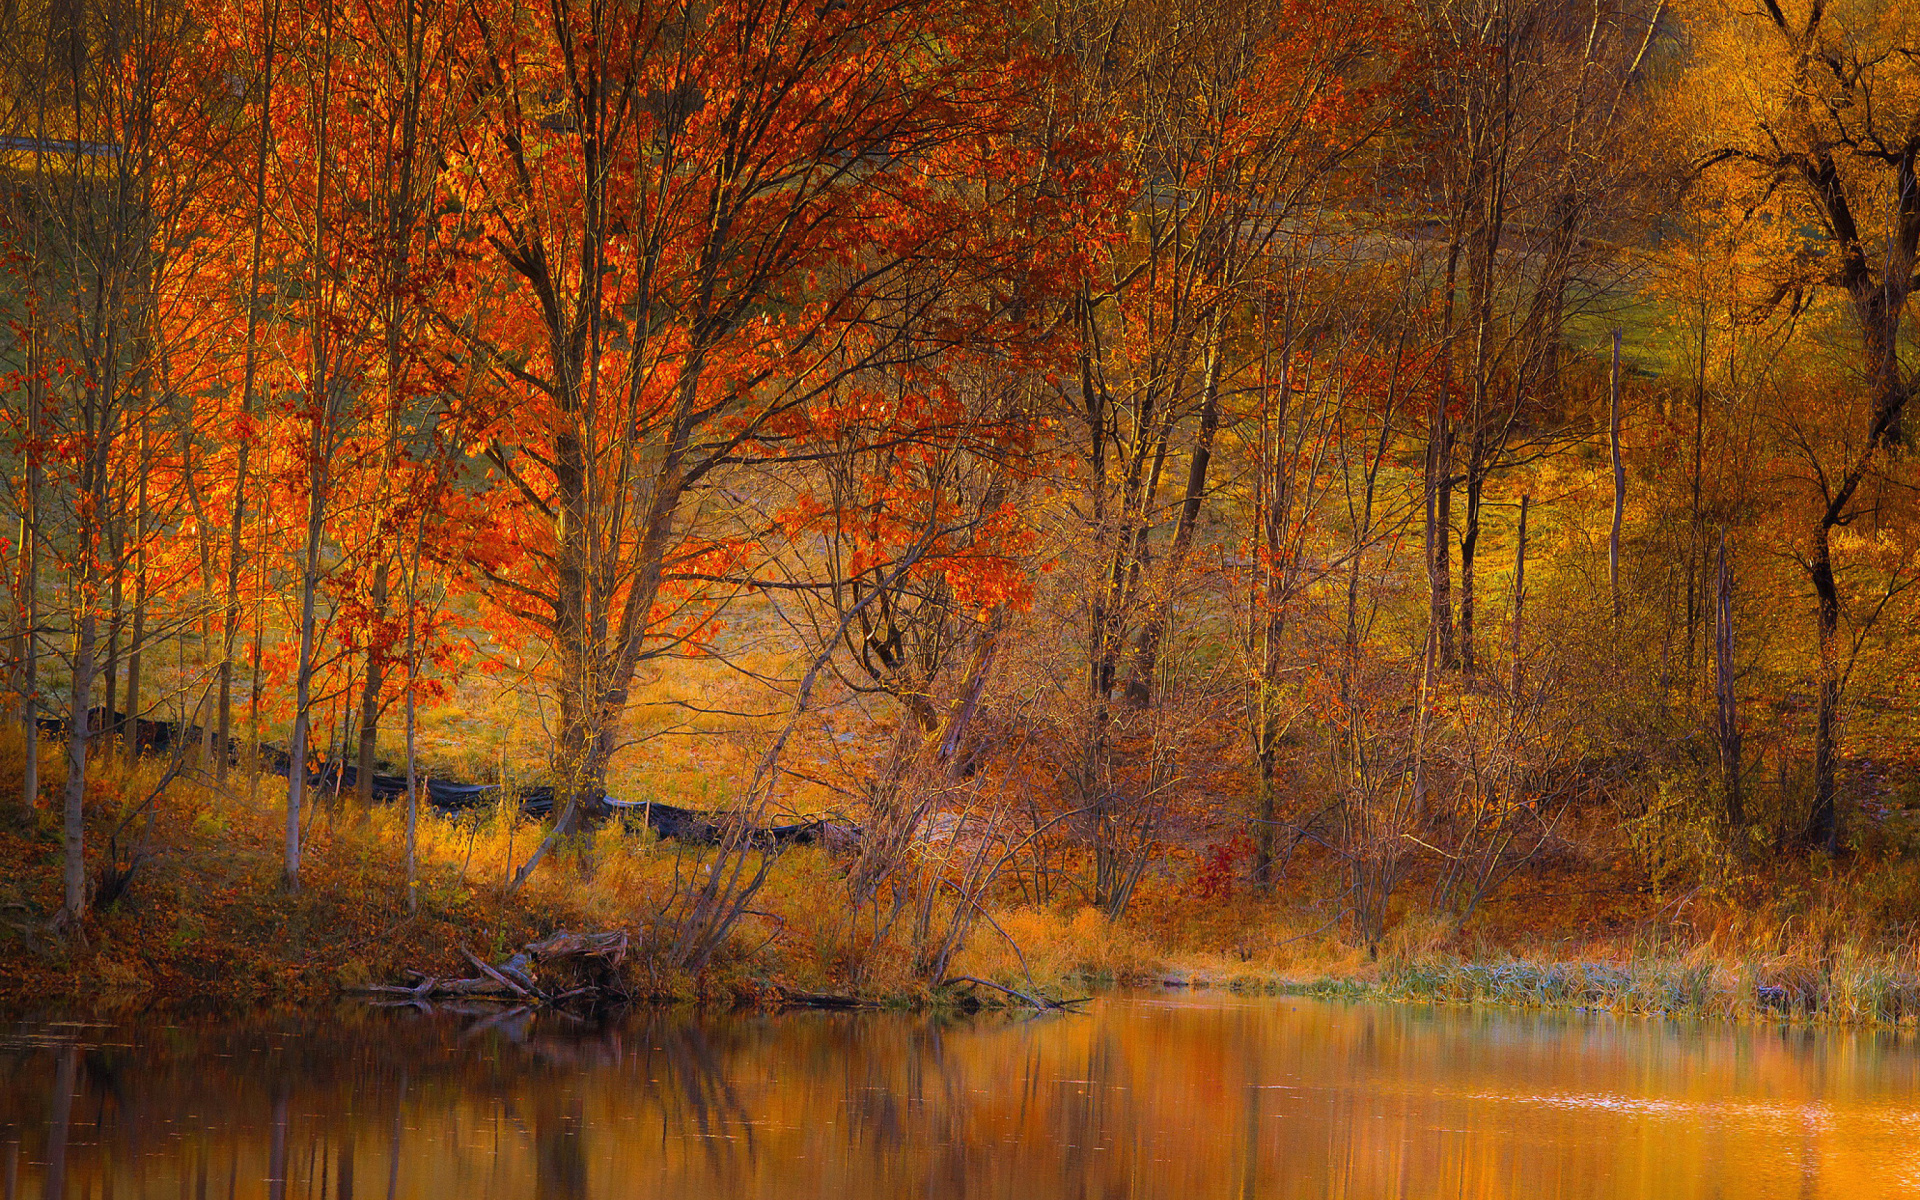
(568, 957)
(609, 947)
(497, 977)
(823, 1000)
(1042, 1003)
(477, 989)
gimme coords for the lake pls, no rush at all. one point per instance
(1147, 1094)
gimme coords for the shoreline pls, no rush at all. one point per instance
(1669, 989)
(1647, 988)
(206, 925)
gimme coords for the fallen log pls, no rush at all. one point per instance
(610, 947)
(1042, 1003)
(578, 968)
(829, 1000)
(497, 977)
(438, 989)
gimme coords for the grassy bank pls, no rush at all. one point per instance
(205, 920)
(1790, 942)
(1871, 993)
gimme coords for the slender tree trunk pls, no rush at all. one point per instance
(1273, 510)
(1824, 827)
(30, 588)
(303, 695)
(137, 644)
(1439, 482)
(24, 641)
(74, 875)
(210, 617)
(109, 724)
(1724, 678)
(253, 671)
(1480, 296)
(1519, 601)
(393, 311)
(1147, 656)
(269, 17)
(1619, 484)
(130, 727)
(1696, 519)
(319, 448)
(1469, 550)
(413, 684)
(370, 696)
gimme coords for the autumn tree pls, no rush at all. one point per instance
(1523, 112)
(1820, 127)
(1233, 121)
(96, 222)
(701, 224)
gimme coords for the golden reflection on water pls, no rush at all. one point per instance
(1148, 1095)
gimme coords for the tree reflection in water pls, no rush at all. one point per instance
(1144, 1096)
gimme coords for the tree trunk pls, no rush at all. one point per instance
(1519, 601)
(30, 594)
(1823, 828)
(1879, 311)
(576, 762)
(1147, 656)
(413, 761)
(1269, 723)
(1439, 472)
(1469, 548)
(253, 671)
(130, 728)
(74, 874)
(1696, 514)
(1439, 532)
(1725, 675)
(1619, 484)
(138, 641)
(249, 371)
(23, 584)
(109, 723)
(321, 400)
(370, 696)
(303, 693)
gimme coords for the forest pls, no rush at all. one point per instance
(876, 498)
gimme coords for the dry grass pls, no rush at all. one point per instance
(207, 919)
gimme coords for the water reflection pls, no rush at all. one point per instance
(1160, 1095)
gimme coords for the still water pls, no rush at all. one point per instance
(1145, 1095)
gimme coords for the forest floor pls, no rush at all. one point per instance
(205, 921)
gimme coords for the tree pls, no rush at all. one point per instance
(1523, 110)
(1820, 128)
(1234, 121)
(97, 225)
(700, 227)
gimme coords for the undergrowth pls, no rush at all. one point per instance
(207, 920)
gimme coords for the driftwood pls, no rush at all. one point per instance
(582, 970)
(497, 977)
(799, 999)
(1042, 1003)
(433, 988)
(610, 948)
